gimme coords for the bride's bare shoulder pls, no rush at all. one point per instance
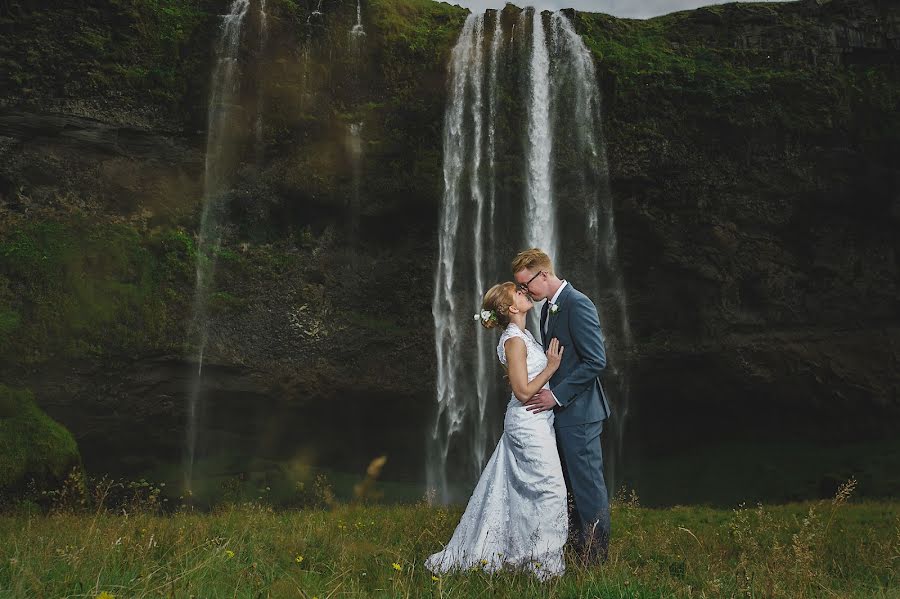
(514, 345)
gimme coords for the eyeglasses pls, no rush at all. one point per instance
(524, 286)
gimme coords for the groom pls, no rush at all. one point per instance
(575, 394)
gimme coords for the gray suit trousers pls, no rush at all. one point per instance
(582, 460)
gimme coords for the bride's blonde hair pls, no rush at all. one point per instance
(498, 300)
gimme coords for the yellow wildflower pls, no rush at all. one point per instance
(229, 554)
(396, 566)
(484, 562)
(105, 595)
(435, 578)
(299, 559)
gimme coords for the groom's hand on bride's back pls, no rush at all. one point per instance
(543, 400)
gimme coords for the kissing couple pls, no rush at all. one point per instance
(518, 516)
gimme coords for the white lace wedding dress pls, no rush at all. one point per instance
(516, 516)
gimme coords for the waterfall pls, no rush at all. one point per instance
(493, 99)
(464, 389)
(223, 92)
(575, 67)
(540, 213)
(263, 37)
(219, 157)
(475, 192)
(357, 31)
(357, 39)
(488, 210)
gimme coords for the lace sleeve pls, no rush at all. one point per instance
(511, 331)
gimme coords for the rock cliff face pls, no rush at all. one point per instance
(752, 162)
(752, 153)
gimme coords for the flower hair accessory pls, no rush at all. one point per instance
(486, 315)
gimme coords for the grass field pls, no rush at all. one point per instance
(837, 548)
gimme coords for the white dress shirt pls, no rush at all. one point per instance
(552, 303)
(546, 324)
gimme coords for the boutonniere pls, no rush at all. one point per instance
(554, 308)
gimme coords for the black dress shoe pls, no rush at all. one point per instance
(596, 556)
(595, 548)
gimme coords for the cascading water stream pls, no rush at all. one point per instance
(477, 197)
(222, 100)
(357, 31)
(493, 98)
(572, 55)
(540, 212)
(357, 40)
(463, 387)
(263, 38)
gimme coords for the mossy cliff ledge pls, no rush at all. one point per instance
(752, 161)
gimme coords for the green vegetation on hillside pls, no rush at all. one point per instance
(424, 27)
(146, 48)
(684, 65)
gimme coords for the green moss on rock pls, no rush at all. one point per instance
(746, 66)
(78, 288)
(423, 27)
(32, 445)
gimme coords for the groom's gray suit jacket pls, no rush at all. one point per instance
(576, 384)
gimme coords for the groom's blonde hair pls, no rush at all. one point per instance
(534, 259)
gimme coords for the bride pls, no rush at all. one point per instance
(516, 516)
